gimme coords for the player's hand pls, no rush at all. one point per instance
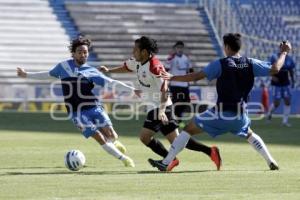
(138, 93)
(165, 75)
(103, 69)
(285, 46)
(21, 73)
(163, 117)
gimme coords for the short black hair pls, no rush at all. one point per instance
(80, 40)
(233, 40)
(179, 43)
(147, 43)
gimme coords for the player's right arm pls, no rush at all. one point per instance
(128, 66)
(277, 65)
(33, 75)
(212, 71)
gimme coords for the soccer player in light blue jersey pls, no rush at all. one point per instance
(235, 78)
(87, 113)
(281, 87)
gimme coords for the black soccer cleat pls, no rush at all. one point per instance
(273, 166)
(158, 164)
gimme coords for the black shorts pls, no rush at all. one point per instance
(152, 122)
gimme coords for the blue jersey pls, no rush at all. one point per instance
(282, 77)
(235, 78)
(78, 83)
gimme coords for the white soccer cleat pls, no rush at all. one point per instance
(120, 146)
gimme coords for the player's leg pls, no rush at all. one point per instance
(287, 106)
(150, 127)
(102, 122)
(276, 101)
(111, 134)
(258, 144)
(111, 149)
(147, 138)
(192, 144)
(177, 146)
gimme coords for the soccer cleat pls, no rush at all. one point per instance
(173, 164)
(120, 146)
(215, 157)
(273, 166)
(162, 167)
(286, 124)
(128, 162)
(158, 164)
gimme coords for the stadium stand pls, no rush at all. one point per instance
(114, 26)
(31, 37)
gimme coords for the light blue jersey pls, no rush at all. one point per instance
(77, 83)
(220, 122)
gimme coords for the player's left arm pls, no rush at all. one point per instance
(163, 102)
(100, 79)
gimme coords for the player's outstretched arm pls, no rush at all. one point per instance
(185, 78)
(121, 69)
(285, 48)
(33, 75)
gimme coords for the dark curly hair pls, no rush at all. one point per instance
(80, 40)
(147, 43)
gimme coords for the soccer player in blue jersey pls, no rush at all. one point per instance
(281, 87)
(87, 113)
(235, 78)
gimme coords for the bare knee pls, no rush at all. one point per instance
(109, 132)
(145, 139)
(192, 129)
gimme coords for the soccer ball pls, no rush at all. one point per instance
(74, 160)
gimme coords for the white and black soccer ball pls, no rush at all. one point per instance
(74, 160)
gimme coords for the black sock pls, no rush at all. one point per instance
(157, 147)
(197, 146)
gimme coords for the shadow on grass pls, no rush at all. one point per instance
(272, 133)
(94, 173)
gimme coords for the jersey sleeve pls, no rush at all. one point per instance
(97, 77)
(260, 68)
(213, 70)
(130, 65)
(156, 67)
(55, 71)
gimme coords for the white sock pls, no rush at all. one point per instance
(258, 144)
(286, 113)
(178, 144)
(271, 109)
(112, 150)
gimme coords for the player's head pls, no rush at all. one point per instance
(232, 43)
(144, 47)
(178, 47)
(79, 48)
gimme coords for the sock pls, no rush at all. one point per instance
(112, 150)
(271, 110)
(258, 144)
(179, 143)
(157, 147)
(197, 146)
(286, 113)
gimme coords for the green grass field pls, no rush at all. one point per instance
(32, 148)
